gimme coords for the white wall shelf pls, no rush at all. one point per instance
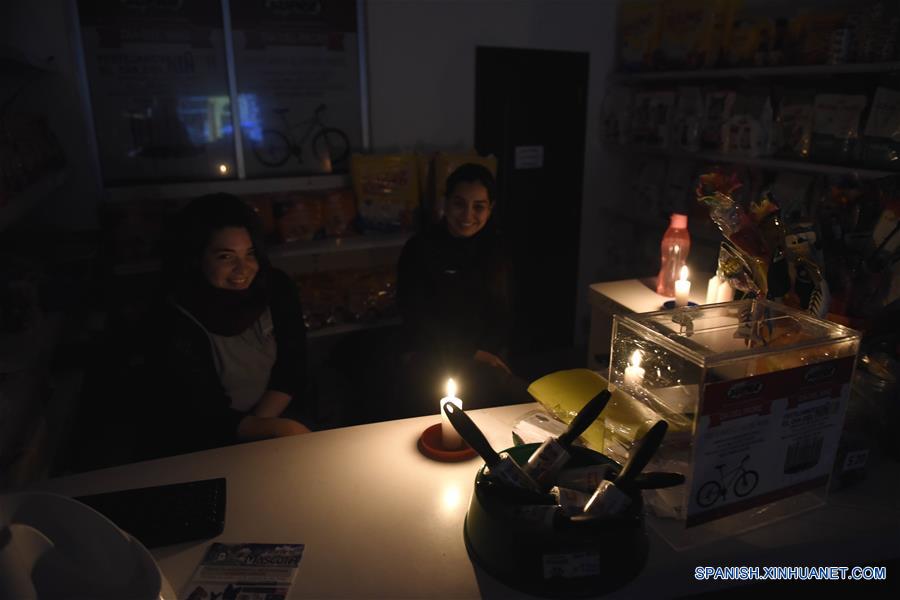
(756, 72)
(347, 244)
(37, 192)
(231, 186)
(763, 162)
(360, 243)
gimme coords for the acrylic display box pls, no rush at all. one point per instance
(755, 395)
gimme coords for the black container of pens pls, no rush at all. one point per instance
(527, 541)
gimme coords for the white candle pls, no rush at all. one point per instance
(449, 437)
(682, 288)
(634, 373)
(725, 292)
(712, 289)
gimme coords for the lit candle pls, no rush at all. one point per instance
(449, 437)
(682, 288)
(725, 292)
(712, 289)
(634, 372)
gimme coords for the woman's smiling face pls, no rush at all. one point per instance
(229, 261)
(468, 209)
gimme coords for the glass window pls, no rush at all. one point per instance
(297, 70)
(159, 89)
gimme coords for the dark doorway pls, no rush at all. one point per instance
(530, 111)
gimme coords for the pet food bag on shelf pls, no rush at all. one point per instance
(298, 216)
(387, 190)
(692, 32)
(639, 30)
(262, 206)
(339, 212)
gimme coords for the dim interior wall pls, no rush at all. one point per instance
(421, 56)
(40, 31)
(422, 86)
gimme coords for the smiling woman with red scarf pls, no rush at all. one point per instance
(228, 350)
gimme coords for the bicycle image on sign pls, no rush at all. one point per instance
(740, 480)
(330, 146)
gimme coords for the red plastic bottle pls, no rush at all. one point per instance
(674, 250)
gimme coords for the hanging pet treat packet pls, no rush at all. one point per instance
(836, 122)
(387, 189)
(444, 164)
(881, 142)
(615, 119)
(652, 118)
(748, 132)
(792, 134)
(717, 108)
(791, 193)
(688, 119)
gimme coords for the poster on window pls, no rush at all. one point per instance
(298, 80)
(159, 90)
(763, 438)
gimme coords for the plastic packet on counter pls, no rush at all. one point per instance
(536, 426)
(624, 419)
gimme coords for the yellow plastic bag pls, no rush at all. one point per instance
(624, 419)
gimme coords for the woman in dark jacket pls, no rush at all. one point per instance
(454, 296)
(229, 348)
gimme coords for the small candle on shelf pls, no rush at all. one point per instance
(725, 292)
(682, 288)
(634, 372)
(450, 439)
(712, 289)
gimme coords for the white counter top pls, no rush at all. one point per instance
(380, 520)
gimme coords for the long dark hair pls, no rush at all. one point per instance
(473, 173)
(191, 230)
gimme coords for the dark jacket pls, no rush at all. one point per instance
(454, 293)
(189, 409)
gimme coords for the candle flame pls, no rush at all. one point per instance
(451, 388)
(636, 358)
(684, 273)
